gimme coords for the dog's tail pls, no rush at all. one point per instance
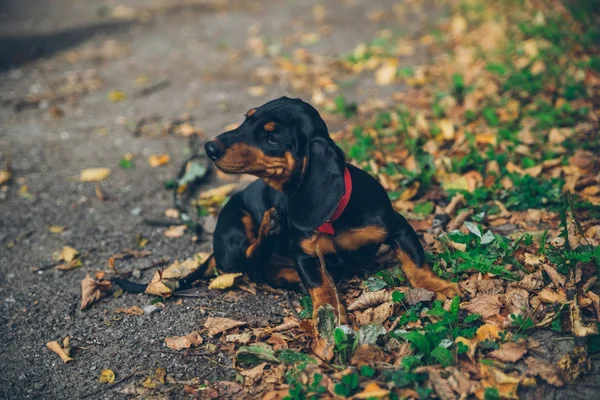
(205, 270)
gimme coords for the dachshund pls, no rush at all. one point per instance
(311, 215)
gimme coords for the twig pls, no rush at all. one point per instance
(105, 389)
(291, 305)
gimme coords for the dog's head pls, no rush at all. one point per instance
(285, 142)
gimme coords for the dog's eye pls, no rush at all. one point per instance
(272, 139)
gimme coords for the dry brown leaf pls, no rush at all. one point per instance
(133, 310)
(254, 375)
(414, 296)
(94, 174)
(158, 160)
(509, 352)
(517, 302)
(544, 370)
(242, 338)
(92, 291)
(179, 270)
(377, 315)
(440, 385)
(558, 279)
(184, 342)
(507, 385)
(372, 391)
(216, 325)
(595, 299)
(62, 353)
(370, 299)
(224, 281)
(107, 376)
(486, 305)
(578, 328)
(548, 295)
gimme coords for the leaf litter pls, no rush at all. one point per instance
(488, 153)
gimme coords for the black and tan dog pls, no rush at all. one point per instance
(308, 205)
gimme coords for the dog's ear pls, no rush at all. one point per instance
(321, 186)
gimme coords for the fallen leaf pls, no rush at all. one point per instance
(551, 296)
(107, 376)
(4, 176)
(175, 231)
(256, 91)
(367, 354)
(414, 296)
(509, 352)
(158, 160)
(62, 353)
(116, 96)
(216, 325)
(224, 281)
(220, 191)
(488, 332)
(372, 391)
(544, 370)
(67, 254)
(485, 305)
(558, 279)
(578, 328)
(370, 299)
(507, 385)
(253, 376)
(92, 291)
(133, 310)
(183, 342)
(386, 74)
(94, 174)
(56, 229)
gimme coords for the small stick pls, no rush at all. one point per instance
(291, 305)
(105, 389)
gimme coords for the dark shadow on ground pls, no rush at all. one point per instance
(18, 50)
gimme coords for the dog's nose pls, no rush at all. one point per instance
(214, 149)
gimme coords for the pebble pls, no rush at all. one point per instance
(150, 309)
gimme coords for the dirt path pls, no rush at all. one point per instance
(198, 58)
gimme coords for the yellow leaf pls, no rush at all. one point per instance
(94, 174)
(447, 129)
(56, 229)
(107, 376)
(4, 177)
(310, 38)
(256, 91)
(158, 160)
(55, 347)
(149, 384)
(220, 191)
(224, 281)
(372, 391)
(67, 254)
(488, 332)
(386, 74)
(116, 95)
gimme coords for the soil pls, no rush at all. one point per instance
(196, 54)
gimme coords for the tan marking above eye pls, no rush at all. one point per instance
(250, 112)
(269, 126)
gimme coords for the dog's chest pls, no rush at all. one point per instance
(347, 241)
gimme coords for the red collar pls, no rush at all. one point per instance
(327, 227)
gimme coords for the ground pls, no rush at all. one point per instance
(75, 78)
(200, 50)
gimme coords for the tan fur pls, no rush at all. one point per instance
(348, 240)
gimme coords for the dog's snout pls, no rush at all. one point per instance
(214, 149)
